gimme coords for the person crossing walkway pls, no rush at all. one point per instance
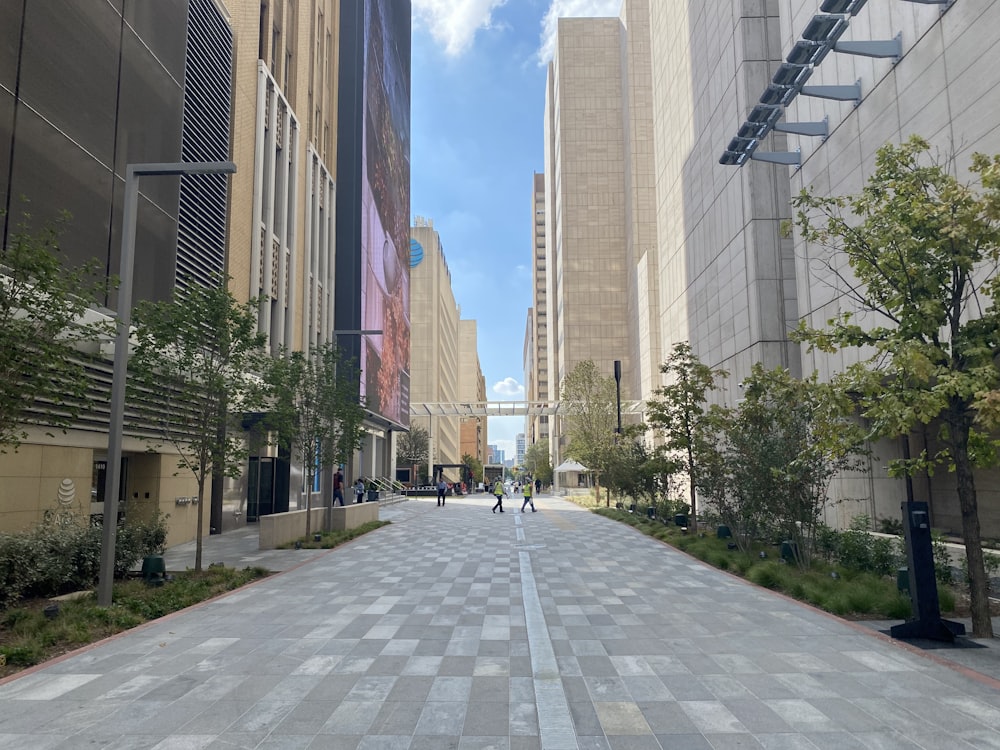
(527, 497)
(499, 492)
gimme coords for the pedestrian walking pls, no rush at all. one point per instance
(442, 487)
(359, 491)
(338, 488)
(499, 492)
(527, 498)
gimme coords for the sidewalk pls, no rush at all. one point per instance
(457, 628)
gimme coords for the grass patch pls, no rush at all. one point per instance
(842, 591)
(331, 539)
(28, 637)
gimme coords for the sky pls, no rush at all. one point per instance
(477, 101)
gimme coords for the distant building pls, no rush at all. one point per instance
(536, 338)
(471, 389)
(444, 365)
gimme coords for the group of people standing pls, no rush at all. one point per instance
(338, 488)
(500, 492)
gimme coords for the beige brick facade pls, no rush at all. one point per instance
(442, 367)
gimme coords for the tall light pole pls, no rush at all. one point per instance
(618, 393)
(127, 262)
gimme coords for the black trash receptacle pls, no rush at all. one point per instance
(154, 570)
(373, 496)
(680, 520)
(789, 551)
(903, 580)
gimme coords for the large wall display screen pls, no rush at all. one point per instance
(373, 201)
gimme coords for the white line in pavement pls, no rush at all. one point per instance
(555, 725)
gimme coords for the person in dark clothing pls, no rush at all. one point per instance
(442, 488)
(338, 487)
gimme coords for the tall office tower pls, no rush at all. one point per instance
(85, 89)
(585, 223)
(600, 239)
(284, 142)
(436, 361)
(641, 363)
(471, 390)
(536, 339)
(726, 272)
(519, 448)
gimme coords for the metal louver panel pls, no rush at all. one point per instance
(201, 231)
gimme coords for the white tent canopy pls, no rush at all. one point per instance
(571, 465)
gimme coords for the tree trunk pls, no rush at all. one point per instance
(693, 520)
(200, 524)
(693, 489)
(309, 486)
(982, 625)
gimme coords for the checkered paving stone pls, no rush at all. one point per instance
(457, 628)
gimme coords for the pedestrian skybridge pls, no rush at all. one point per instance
(506, 408)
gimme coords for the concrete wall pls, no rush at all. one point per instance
(38, 478)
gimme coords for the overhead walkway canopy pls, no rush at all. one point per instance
(506, 408)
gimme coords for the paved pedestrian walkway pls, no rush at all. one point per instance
(457, 628)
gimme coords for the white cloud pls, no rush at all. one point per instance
(509, 388)
(571, 9)
(454, 23)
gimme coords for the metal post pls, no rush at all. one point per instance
(618, 392)
(112, 476)
(112, 483)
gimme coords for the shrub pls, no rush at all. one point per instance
(991, 563)
(890, 526)
(63, 553)
(942, 558)
(827, 542)
(900, 608)
(946, 600)
(17, 575)
(766, 575)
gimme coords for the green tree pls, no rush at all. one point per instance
(676, 412)
(734, 471)
(634, 470)
(43, 336)
(810, 436)
(475, 466)
(412, 449)
(538, 462)
(591, 418)
(198, 357)
(316, 411)
(922, 249)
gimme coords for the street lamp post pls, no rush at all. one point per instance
(113, 475)
(618, 392)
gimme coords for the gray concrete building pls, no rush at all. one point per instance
(639, 109)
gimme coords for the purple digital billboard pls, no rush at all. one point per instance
(373, 201)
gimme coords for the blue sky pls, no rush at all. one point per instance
(478, 95)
